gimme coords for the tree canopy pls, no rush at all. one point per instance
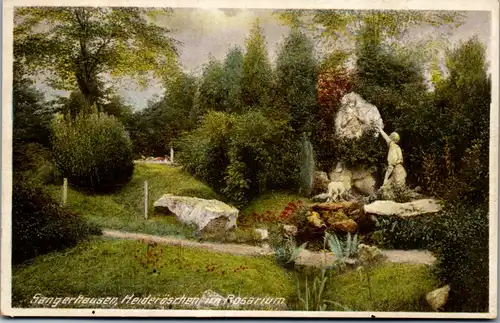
(76, 46)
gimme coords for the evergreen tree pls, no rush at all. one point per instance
(233, 75)
(296, 77)
(257, 71)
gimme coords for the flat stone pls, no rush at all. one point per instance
(409, 209)
(205, 214)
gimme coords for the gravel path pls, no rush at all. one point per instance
(306, 257)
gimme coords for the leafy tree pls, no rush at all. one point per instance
(347, 25)
(118, 108)
(154, 130)
(463, 109)
(296, 77)
(257, 72)
(78, 45)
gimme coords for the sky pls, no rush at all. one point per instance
(204, 32)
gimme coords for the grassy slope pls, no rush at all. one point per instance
(124, 210)
(105, 268)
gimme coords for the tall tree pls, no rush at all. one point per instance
(76, 46)
(233, 75)
(257, 71)
(210, 94)
(296, 77)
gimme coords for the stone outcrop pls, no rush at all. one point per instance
(409, 209)
(204, 214)
(347, 124)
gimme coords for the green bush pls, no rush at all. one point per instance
(35, 161)
(462, 251)
(459, 238)
(40, 225)
(94, 152)
(241, 156)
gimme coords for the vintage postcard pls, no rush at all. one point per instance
(250, 158)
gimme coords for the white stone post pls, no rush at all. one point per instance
(64, 192)
(171, 155)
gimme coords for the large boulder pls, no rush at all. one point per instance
(204, 214)
(404, 210)
(347, 124)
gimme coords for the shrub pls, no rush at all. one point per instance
(94, 152)
(34, 161)
(459, 239)
(40, 225)
(241, 156)
(462, 256)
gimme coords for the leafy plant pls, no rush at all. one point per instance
(312, 299)
(342, 250)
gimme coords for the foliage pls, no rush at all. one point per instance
(459, 238)
(463, 104)
(39, 224)
(32, 114)
(112, 267)
(79, 44)
(233, 77)
(94, 153)
(333, 84)
(153, 131)
(285, 247)
(462, 254)
(35, 162)
(306, 166)
(411, 233)
(336, 26)
(240, 156)
(257, 72)
(210, 94)
(295, 85)
(342, 250)
(313, 298)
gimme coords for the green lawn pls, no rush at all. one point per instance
(116, 268)
(124, 210)
(394, 287)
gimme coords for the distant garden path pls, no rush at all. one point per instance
(306, 257)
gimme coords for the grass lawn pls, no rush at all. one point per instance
(116, 268)
(124, 210)
(394, 287)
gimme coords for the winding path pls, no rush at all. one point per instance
(306, 257)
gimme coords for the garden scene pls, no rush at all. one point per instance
(297, 160)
